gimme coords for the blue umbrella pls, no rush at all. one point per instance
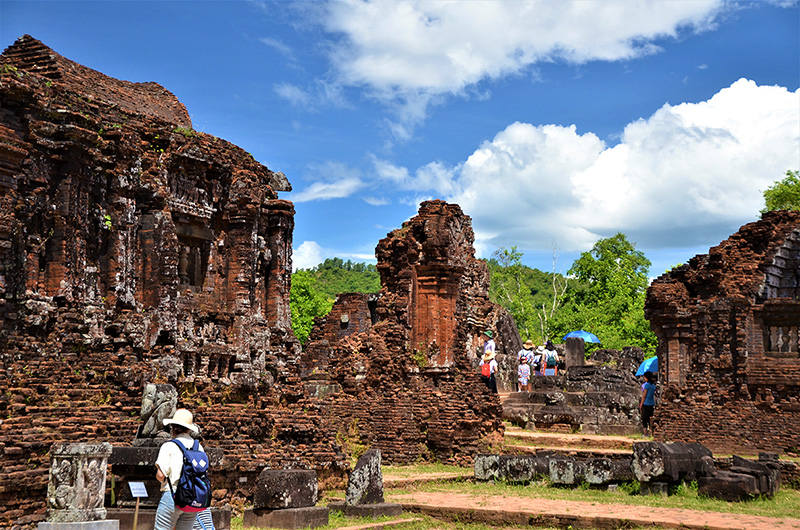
(649, 365)
(585, 335)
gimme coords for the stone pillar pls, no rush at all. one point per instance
(77, 484)
(575, 349)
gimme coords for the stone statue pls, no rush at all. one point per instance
(158, 403)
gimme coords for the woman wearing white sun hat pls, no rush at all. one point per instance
(169, 465)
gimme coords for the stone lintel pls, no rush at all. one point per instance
(107, 524)
(146, 456)
(291, 518)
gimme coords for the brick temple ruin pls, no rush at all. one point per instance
(727, 324)
(402, 362)
(135, 250)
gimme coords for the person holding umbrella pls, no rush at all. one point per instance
(647, 403)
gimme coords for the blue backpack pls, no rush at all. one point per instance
(193, 492)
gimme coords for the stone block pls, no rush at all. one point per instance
(487, 467)
(567, 471)
(286, 488)
(337, 506)
(511, 468)
(107, 524)
(654, 488)
(667, 462)
(292, 518)
(147, 518)
(523, 468)
(382, 509)
(767, 478)
(365, 485)
(728, 486)
(77, 483)
(605, 470)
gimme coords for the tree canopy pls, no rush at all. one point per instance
(608, 297)
(530, 295)
(604, 293)
(784, 194)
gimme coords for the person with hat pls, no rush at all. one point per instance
(524, 375)
(169, 466)
(526, 353)
(488, 364)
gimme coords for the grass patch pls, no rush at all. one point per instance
(786, 502)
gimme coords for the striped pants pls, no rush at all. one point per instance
(169, 517)
(204, 521)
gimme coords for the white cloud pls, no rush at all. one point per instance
(434, 176)
(307, 255)
(377, 201)
(330, 180)
(278, 46)
(293, 94)
(320, 94)
(689, 173)
(310, 254)
(328, 190)
(408, 53)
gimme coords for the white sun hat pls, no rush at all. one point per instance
(183, 418)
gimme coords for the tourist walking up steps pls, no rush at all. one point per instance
(550, 359)
(169, 466)
(527, 353)
(524, 375)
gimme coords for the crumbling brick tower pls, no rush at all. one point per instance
(728, 331)
(404, 362)
(134, 249)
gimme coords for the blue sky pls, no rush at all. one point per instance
(552, 123)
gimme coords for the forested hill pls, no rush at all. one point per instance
(335, 276)
(314, 290)
(603, 292)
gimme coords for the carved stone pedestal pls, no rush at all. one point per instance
(77, 484)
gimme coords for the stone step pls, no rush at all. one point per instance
(569, 451)
(573, 441)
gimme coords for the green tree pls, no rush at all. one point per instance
(784, 194)
(608, 296)
(306, 302)
(530, 295)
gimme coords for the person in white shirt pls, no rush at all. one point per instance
(488, 372)
(169, 466)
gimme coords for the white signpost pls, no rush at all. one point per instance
(137, 490)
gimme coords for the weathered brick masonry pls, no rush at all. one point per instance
(727, 324)
(134, 249)
(408, 384)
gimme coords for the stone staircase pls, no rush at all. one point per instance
(590, 399)
(521, 441)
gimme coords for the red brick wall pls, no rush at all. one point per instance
(720, 386)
